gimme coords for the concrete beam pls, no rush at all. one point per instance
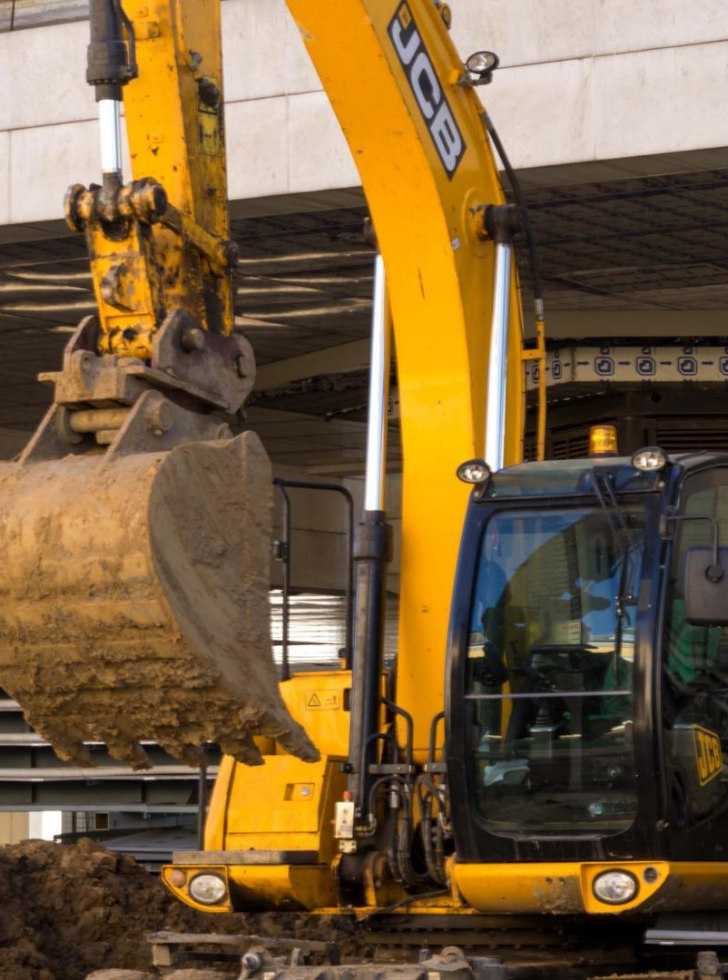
(341, 359)
(599, 92)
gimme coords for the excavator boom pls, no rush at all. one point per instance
(414, 124)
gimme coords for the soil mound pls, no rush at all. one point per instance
(67, 910)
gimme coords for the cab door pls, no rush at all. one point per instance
(694, 688)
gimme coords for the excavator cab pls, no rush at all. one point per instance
(588, 713)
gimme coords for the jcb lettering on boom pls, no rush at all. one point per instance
(427, 89)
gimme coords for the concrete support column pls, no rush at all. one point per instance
(14, 827)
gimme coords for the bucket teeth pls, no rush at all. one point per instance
(134, 602)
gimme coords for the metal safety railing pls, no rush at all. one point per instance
(283, 555)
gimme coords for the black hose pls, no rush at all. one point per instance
(427, 834)
(440, 849)
(131, 37)
(434, 852)
(405, 823)
(372, 803)
(513, 180)
(387, 737)
(422, 897)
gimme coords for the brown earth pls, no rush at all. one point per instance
(67, 910)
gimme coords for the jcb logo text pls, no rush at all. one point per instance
(427, 89)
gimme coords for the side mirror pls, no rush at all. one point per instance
(705, 587)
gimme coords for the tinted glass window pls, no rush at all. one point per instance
(549, 670)
(695, 676)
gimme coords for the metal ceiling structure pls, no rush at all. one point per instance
(304, 282)
(654, 243)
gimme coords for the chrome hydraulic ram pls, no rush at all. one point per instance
(502, 223)
(111, 63)
(372, 553)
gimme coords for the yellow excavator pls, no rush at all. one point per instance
(545, 757)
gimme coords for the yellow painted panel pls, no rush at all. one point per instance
(259, 887)
(261, 803)
(567, 887)
(282, 887)
(216, 811)
(320, 702)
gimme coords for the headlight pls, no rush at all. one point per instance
(208, 889)
(650, 460)
(482, 62)
(473, 471)
(615, 887)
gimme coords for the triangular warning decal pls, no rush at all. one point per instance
(313, 701)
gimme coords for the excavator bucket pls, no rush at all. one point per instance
(134, 601)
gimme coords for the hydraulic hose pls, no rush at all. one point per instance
(513, 180)
(538, 304)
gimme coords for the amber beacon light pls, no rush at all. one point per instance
(603, 440)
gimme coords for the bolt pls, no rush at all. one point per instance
(87, 361)
(159, 417)
(240, 366)
(209, 92)
(71, 206)
(223, 432)
(149, 200)
(159, 201)
(192, 339)
(230, 254)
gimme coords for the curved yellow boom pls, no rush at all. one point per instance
(428, 172)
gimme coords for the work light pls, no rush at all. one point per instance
(474, 471)
(650, 459)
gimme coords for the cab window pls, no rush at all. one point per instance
(549, 699)
(695, 668)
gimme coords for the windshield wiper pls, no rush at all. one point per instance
(613, 512)
(620, 531)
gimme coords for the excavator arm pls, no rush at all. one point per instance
(158, 243)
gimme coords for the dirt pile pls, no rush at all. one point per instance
(66, 910)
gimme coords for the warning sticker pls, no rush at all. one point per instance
(322, 700)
